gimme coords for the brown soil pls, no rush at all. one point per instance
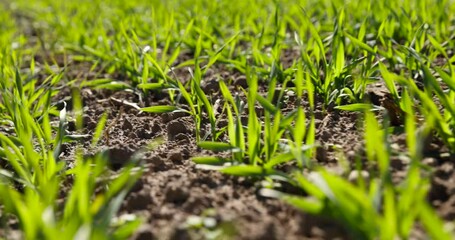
(173, 191)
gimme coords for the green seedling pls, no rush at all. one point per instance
(379, 210)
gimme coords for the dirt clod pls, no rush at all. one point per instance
(138, 201)
(176, 157)
(176, 194)
(174, 128)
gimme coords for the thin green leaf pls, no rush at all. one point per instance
(209, 160)
(246, 170)
(359, 43)
(216, 146)
(268, 106)
(356, 107)
(160, 109)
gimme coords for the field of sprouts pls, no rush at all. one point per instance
(217, 119)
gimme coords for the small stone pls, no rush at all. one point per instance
(354, 176)
(429, 161)
(395, 146)
(446, 167)
(290, 93)
(445, 155)
(351, 154)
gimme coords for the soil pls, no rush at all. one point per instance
(173, 191)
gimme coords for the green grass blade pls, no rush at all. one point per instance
(160, 109)
(210, 160)
(246, 170)
(216, 146)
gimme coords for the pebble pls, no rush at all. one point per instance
(354, 175)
